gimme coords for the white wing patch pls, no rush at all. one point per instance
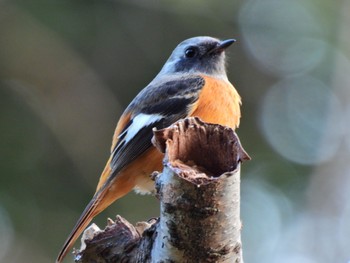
(138, 122)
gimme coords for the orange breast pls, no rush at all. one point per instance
(218, 103)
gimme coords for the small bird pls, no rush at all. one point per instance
(192, 82)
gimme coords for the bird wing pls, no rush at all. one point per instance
(159, 105)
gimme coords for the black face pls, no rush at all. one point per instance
(201, 58)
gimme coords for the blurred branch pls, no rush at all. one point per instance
(199, 192)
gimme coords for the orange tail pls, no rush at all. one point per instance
(88, 214)
(107, 192)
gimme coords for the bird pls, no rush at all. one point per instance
(192, 83)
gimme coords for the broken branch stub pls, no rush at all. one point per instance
(199, 191)
(119, 242)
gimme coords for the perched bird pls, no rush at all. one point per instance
(192, 82)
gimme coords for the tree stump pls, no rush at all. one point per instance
(199, 193)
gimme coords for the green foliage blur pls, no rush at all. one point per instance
(69, 68)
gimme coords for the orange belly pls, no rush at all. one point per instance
(135, 175)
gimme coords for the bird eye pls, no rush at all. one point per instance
(190, 52)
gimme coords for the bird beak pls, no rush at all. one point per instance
(222, 46)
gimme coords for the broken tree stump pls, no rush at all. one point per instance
(199, 193)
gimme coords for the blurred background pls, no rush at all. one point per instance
(68, 69)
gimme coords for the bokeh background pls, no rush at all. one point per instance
(68, 68)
